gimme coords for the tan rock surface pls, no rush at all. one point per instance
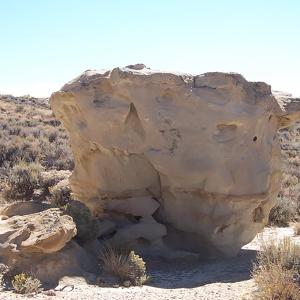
(205, 147)
(43, 232)
(22, 208)
(41, 243)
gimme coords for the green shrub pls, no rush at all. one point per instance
(87, 226)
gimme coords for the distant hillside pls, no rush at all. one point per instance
(29, 133)
(288, 207)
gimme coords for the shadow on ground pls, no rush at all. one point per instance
(179, 274)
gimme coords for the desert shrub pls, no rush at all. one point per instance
(276, 283)
(277, 270)
(297, 228)
(36, 133)
(283, 212)
(19, 108)
(123, 263)
(87, 226)
(8, 273)
(284, 253)
(51, 178)
(3, 268)
(33, 136)
(28, 150)
(16, 149)
(23, 179)
(56, 155)
(52, 136)
(290, 145)
(15, 130)
(61, 193)
(25, 284)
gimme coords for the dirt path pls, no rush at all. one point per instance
(211, 280)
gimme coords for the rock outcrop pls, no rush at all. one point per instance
(47, 231)
(40, 243)
(191, 160)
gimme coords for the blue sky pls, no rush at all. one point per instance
(45, 43)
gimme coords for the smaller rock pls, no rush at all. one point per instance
(100, 282)
(43, 232)
(147, 229)
(49, 293)
(127, 283)
(136, 206)
(23, 208)
(64, 288)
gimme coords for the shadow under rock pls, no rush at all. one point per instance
(183, 274)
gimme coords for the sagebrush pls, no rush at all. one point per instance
(277, 270)
(30, 133)
(22, 180)
(287, 208)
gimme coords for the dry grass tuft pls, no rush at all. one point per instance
(284, 253)
(124, 264)
(276, 283)
(277, 271)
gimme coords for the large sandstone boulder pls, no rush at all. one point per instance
(199, 154)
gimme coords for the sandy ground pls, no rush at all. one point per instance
(211, 280)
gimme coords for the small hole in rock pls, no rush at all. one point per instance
(258, 215)
(255, 139)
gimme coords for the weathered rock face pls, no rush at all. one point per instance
(47, 231)
(197, 154)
